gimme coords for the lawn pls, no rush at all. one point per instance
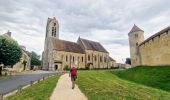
(39, 91)
(104, 85)
(157, 76)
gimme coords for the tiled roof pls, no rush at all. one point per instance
(156, 34)
(92, 45)
(62, 45)
(134, 29)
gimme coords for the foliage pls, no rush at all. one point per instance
(128, 61)
(35, 59)
(10, 52)
(103, 85)
(39, 91)
(153, 76)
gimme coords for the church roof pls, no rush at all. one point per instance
(92, 45)
(111, 59)
(135, 29)
(62, 45)
(156, 34)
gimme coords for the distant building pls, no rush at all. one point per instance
(153, 51)
(59, 54)
(25, 57)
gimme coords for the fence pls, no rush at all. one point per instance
(21, 87)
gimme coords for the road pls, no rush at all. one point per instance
(13, 82)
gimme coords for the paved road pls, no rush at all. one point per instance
(13, 82)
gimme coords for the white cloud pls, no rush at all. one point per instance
(101, 20)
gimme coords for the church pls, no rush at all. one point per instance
(59, 54)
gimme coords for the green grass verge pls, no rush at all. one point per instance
(39, 91)
(157, 76)
(103, 85)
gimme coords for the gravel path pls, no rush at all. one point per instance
(63, 90)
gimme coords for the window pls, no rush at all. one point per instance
(137, 44)
(73, 58)
(88, 57)
(95, 58)
(66, 58)
(101, 58)
(52, 31)
(82, 59)
(104, 59)
(136, 35)
(54, 24)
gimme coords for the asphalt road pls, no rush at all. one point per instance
(12, 83)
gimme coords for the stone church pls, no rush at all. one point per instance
(154, 51)
(59, 54)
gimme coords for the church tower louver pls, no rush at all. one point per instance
(52, 31)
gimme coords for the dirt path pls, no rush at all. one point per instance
(63, 90)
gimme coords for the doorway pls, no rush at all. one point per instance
(56, 67)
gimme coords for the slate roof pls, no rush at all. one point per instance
(92, 45)
(135, 29)
(111, 59)
(156, 34)
(62, 45)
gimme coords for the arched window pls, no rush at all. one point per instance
(52, 31)
(66, 58)
(88, 57)
(73, 58)
(95, 58)
(82, 59)
(136, 35)
(101, 58)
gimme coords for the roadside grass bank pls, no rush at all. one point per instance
(39, 91)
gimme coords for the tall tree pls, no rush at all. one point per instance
(128, 61)
(35, 59)
(10, 52)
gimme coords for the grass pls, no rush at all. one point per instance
(157, 76)
(39, 91)
(104, 85)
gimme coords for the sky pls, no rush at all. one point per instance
(105, 21)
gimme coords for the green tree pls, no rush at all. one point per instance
(35, 59)
(128, 61)
(10, 52)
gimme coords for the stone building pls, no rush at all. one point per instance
(19, 66)
(59, 54)
(153, 51)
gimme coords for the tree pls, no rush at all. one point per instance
(10, 52)
(128, 61)
(35, 59)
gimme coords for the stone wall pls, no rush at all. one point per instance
(156, 51)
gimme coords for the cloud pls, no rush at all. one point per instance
(100, 20)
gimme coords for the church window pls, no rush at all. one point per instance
(73, 58)
(82, 59)
(66, 58)
(136, 35)
(52, 31)
(95, 58)
(54, 24)
(101, 58)
(88, 57)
